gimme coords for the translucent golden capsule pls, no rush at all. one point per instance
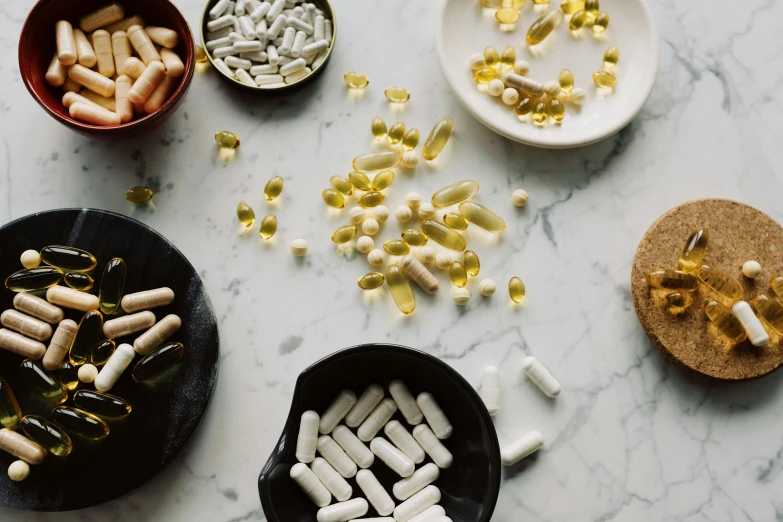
(526, 105)
(341, 185)
(378, 128)
(678, 302)
(611, 57)
(457, 274)
(693, 252)
(79, 281)
(556, 109)
(47, 435)
(455, 221)
(42, 382)
(496, 4)
(383, 179)
(516, 289)
(566, 80)
(371, 199)
(33, 279)
(201, 56)
(101, 404)
(455, 193)
(268, 226)
(396, 247)
(443, 235)
(371, 281)
(88, 335)
(10, 413)
(80, 422)
(112, 285)
(227, 140)
(667, 279)
(721, 283)
(542, 27)
(572, 6)
(472, 264)
(102, 351)
(360, 180)
(344, 234)
(68, 375)
(507, 15)
(273, 188)
(437, 139)
(396, 132)
(771, 311)
(354, 80)
(245, 214)
(601, 22)
(414, 237)
(400, 289)
(397, 94)
(386, 159)
(540, 113)
(68, 258)
(540, 2)
(486, 75)
(725, 321)
(578, 21)
(482, 217)
(157, 362)
(592, 7)
(411, 139)
(777, 286)
(139, 194)
(492, 57)
(333, 198)
(605, 79)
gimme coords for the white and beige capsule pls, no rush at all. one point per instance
(60, 344)
(404, 441)
(329, 477)
(157, 335)
(353, 447)
(173, 63)
(125, 24)
(143, 87)
(538, 373)
(21, 345)
(124, 107)
(377, 420)
(121, 50)
(26, 325)
(336, 411)
(92, 80)
(367, 402)
(128, 324)
(160, 94)
(392, 457)
(109, 104)
(101, 17)
(421, 478)
(406, 402)
(84, 51)
(56, 73)
(134, 67)
(114, 367)
(141, 41)
(310, 485)
(521, 448)
(335, 456)
(432, 445)
(417, 504)
(38, 308)
(147, 300)
(435, 415)
(435, 513)
(66, 43)
(93, 114)
(375, 492)
(343, 511)
(307, 440)
(70, 298)
(101, 42)
(163, 36)
(490, 389)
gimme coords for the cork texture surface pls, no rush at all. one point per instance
(737, 233)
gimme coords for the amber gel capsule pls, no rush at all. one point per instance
(457, 274)
(380, 160)
(10, 413)
(246, 214)
(47, 435)
(443, 235)
(720, 282)
(101, 404)
(158, 361)
(371, 281)
(455, 193)
(400, 289)
(333, 198)
(68, 258)
(667, 279)
(227, 140)
(344, 234)
(771, 311)
(693, 252)
(268, 226)
(273, 188)
(542, 27)
(437, 139)
(42, 382)
(88, 335)
(112, 285)
(725, 321)
(79, 281)
(139, 194)
(481, 216)
(471, 262)
(516, 289)
(34, 279)
(80, 422)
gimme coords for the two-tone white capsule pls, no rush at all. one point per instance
(538, 373)
(307, 441)
(375, 492)
(339, 408)
(353, 447)
(406, 402)
(367, 402)
(336, 456)
(521, 448)
(404, 441)
(311, 485)
(331, 479)
(343, 511)
(421, 478)
(490, 389)
(377, 420)
(435, 416)
(756, 333)
(392, 457)
(432, 445)
(417, 504)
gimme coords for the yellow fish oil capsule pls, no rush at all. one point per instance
(776, 284)
(601, 22)
(396, 247)
(42, 382)
(566, 80)
(80, 422)
(371, 199)
(101, 404)
(411, 139)
(556, 109)
(354, 80)
(496, 4)
(437, 139)
(201, 56)
(157, 362)
(333, 198)
(579, 20)
(21, 447)
(414, 237)
(486, 75)
(540, 113)
(139, 194)
(516, 289)
(371, 281)
(604, 79)
(472, 264)
(68, 258)
(492, 57)
(360, 180)
(273, 188)
(721, 283)
(246, 214)
(508, 57)
(507, 15)
(383, 179)
(455, 221)
(268, 226)
(88, 335)
(79, 281)
(386, 159)
(341, 185)
(693, 252)
(68, 375)
(397, 94)
(592, 7)
(457, 274)
(112, 285)
(771, 311)
(572, 6)
(482, 217)
(396, 132)
(542, 27)
(725, 321)
(102, 351)
(526, 105)
(443, 235)
(344, 234)
(227, 140)
(611, 57)
(47, 435)
(667, 279)
(455, 193)
(678, 302)
(378, 128)
(10, 413)
(400, 289)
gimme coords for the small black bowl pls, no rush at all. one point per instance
(469, 489)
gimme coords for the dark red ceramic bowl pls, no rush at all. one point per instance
(37, 46)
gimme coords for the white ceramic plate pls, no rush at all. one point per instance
(465, 27)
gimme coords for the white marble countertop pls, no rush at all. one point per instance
(630, 438)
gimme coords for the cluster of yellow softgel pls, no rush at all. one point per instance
(247, 216)
(581, 13)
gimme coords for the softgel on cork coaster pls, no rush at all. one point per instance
(737, 233)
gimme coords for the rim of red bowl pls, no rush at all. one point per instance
(187, 77)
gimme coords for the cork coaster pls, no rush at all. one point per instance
(737, 233)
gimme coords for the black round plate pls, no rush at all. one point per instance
(469, 488)
(166, 411)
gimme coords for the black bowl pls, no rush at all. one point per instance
(166, 411)
(469, 488)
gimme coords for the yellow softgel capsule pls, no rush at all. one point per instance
(227, 140)
(556, 109)
(542, 27)
(592, 7)
(694, 250)
(268, 226)
(771, 311)
(777, 286)
(79, 281)
(344, 234)
(34, 279)
(378, 128)
(400, 289)
(540, 113)
(472, 263)
(245, 214)
(397, 94)
(457, 274)
(10, 413)
(371, 199)
(566, 80)
(496, 4)
(455, 221)
(725, 321)
(572, 6)
(437, 139)
(455, 193)
(579, 20)
(720, 282)
(341, 185)
(486, 75)
(540, 2)
(482, 217)
(354, 80)
(678, 302)
(383, 179)
(273, 188)
(516, 289)
(396, 247)
(333, 198)
(605, 79)
(201, 56)
(396, 132)
(507, 15)
(360, 180)
(139, 194)
(371, 281)
(443, 235)
(411, 139)
(112, 286)
(601, 22)
(372, 161)
(414, 237)
(526, 105)
(492, 57)
(667, 279)
(611, 57)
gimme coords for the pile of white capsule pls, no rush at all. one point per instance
(267, 44)
(345, 455)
